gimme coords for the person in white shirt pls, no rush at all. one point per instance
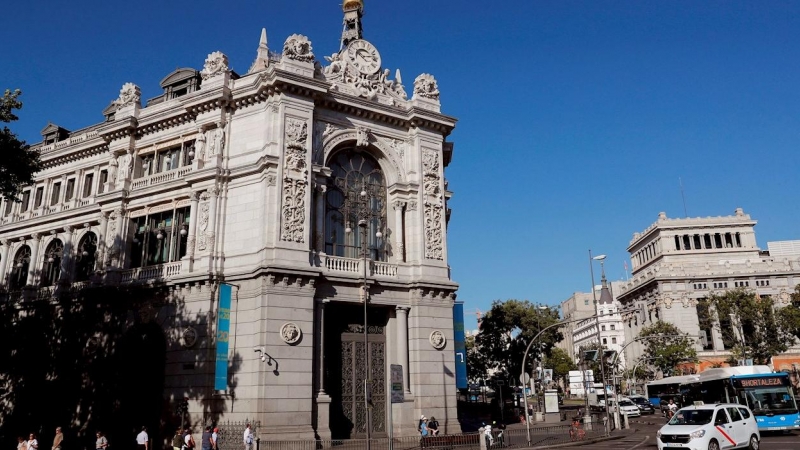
(143, 440)
(248, 438)
(214, 437)
(33, 444)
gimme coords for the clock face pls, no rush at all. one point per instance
(363, 56)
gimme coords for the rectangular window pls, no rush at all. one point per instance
(26, 201)
(101, 187)
(188, 153)
(7, 211)
(697, 245)
(605, 341)
(56, 194)
(613, 340)
(88, 182)
(707, 240)
(717, 241)
(169, 159)
(602, 328)
(37, 202)
(70, 189)
(146, 166)
(613, 327)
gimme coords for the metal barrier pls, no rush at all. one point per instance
(515, 438)
(231, 434)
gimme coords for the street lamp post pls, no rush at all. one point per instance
(524, 359)
(360, 205)
(600, 258)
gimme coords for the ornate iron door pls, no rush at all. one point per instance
(354, 365)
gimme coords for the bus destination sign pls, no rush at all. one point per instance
(759, 382)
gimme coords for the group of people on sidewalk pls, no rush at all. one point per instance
(428, 427)
(33, 444)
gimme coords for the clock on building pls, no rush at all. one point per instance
(364, 56)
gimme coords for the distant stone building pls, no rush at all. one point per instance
(677, 262)
(583, 333)
(311, 185)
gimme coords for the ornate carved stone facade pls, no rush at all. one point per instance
(211, 182)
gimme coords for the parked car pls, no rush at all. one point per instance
(710, 427)
(626, 407)
(645, 407)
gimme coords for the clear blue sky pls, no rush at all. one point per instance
(576, 118)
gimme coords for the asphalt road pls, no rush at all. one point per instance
(647, 426)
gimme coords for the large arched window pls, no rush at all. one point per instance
(51, 269)
(356, 192)
(85, 258)
(19, 271)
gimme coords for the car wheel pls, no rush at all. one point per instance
(713, 445)
(753, 443)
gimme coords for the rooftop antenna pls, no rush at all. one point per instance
(683, 197)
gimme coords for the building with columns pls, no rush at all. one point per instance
(311, 185)
(678, 261)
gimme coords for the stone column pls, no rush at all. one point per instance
(402, 345)
(34, 258)
(192, 224)
(66, 257)
(319, 232)
(100, 254)
(212, 220)
(398, 230)
(4, 259)
(321, 347)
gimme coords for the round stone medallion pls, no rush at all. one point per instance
(291, 333)
(438, 340)
(189, 337)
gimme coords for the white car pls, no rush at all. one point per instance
(626, 406)
(710, 427)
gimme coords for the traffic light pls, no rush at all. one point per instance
(590, 355)
(183, 406)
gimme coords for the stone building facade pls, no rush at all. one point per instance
(583, 333)
(677, 262)
(311, 185)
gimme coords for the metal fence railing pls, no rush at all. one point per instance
(516, 438)
(231, 433)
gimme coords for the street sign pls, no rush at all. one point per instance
(500, 383)
(397, 383)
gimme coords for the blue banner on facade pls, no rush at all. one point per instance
(459, 341)
(223, 332)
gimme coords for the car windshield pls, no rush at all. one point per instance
(626, 403)
(692, 417)
(764, 401)
(639, 400)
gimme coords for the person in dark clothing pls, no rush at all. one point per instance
(433, 426)
(205, 441)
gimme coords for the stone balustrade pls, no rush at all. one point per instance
(157, 272)
(353, 265)
(159, 178)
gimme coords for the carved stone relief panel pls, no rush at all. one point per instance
(204, 208)
(433, 205)
(295, 181)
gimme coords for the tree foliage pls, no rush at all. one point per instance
(789, 316)
(767, 332)
(506, 330)
(18, 163)
(666, 346)
(477, 368)
(559, 360)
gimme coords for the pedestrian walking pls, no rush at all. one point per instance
(101, 443)
(205, 440)
(143, 440)
(21, 444)
(188, 440)
(248, 438)
(32, 443)
(487, 433)
(214, 438)
(177, 440)
(58, 439)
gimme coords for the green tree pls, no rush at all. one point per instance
(766, 332)
(559, 360)
(18, 163)
(506, 330)
(789, 316)
(477, 368)
(666, 346)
